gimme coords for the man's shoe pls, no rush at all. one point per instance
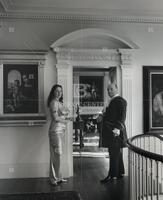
(108, 179)
(120, 176)
(105, 180)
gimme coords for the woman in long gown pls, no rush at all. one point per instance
(59, 117)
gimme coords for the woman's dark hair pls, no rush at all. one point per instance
(51, 94)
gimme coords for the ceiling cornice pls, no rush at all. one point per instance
(84, 18)
(74, 12)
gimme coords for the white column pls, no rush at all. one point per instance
(66, 80)
(126, 69)
(127, 94)
(127, 89)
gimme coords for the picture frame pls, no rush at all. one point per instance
(22, 89)
(20, 93)
(153, 99)
(91, 91)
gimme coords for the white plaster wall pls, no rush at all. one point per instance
(26, 149)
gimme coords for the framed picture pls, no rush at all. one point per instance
(153, 99)
(22, 89)
(91, 90)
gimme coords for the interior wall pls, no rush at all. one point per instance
(24, 151)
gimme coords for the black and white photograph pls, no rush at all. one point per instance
(81, 100)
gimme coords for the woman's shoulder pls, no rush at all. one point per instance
(54, 104)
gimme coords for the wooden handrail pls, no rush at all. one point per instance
(145, 153)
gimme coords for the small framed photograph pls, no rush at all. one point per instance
(153, 99)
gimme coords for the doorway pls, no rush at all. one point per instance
(89, 99)
(67, 59)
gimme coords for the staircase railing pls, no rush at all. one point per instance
(146, 167)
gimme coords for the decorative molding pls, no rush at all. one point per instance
(22, 56)
(53, 11)
(87, 55)
(84, 18)
(41, 120)
(84, 33)
(41, 64)
(22, 52)
(126, 60)
(125, 57)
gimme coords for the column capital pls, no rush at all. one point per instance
(126, 71)
(63, 66)
(126, 56)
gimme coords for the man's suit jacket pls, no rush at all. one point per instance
(114, 117)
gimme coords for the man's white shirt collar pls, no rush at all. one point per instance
(114, 97)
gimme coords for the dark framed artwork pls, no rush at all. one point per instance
(22, 91)
(20, 94)
(153, 99)
(91, 90)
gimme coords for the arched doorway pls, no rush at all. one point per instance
(86, 48)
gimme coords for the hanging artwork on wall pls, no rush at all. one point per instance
(153, 99)
(91, 90)
(20, 88)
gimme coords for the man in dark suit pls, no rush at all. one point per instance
(113, 135)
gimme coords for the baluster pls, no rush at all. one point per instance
(147, 191)
(130, 173)
(136, 183)
(133, 177)
(151, 179)
(139, 174)
(155, 145)
(148, 143)
(145, 175)
(157, 180)
(142, 167)
(144, 143)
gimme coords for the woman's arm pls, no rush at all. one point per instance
(54, 106)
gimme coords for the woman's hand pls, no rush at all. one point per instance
(69, 118)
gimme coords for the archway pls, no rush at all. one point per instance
(68, 55)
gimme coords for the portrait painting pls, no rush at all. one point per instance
(20, 94)
(91, 90)
(153, 99)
